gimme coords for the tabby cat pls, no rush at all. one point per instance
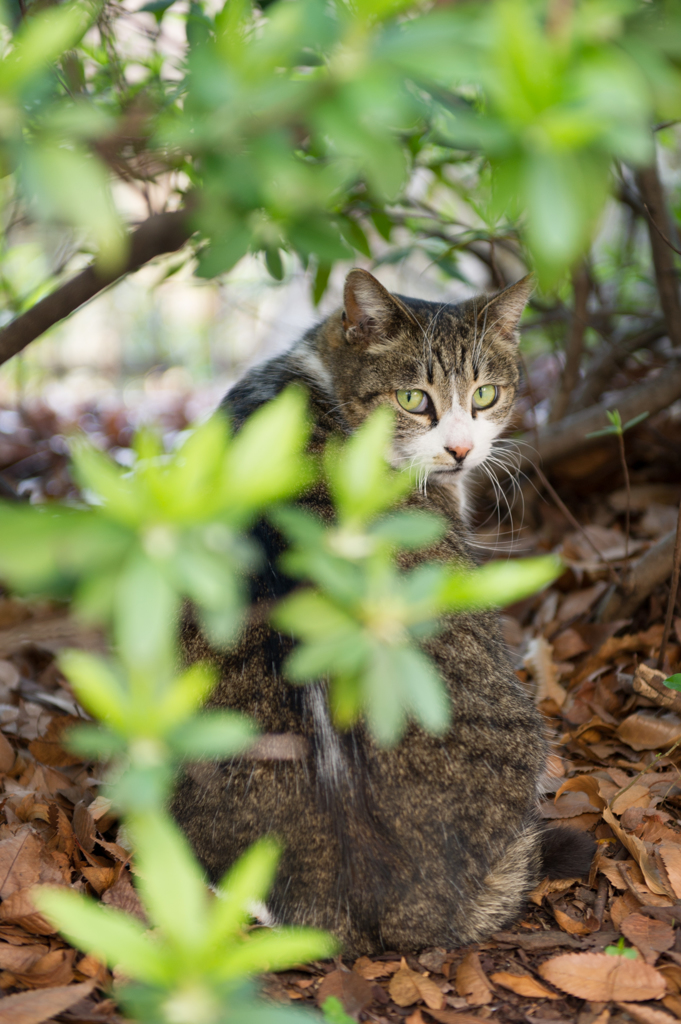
(435, 842)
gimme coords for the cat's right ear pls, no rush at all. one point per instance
(370, 312)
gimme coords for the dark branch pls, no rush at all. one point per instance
(606, 363)
(162, 233)
(568, 436)
(574, 344)
(654, 203)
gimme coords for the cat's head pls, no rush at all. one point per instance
(449, 371)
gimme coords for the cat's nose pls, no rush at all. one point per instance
(460, 452)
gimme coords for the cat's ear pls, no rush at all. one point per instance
(501, 314)
(370, 312)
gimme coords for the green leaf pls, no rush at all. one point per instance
(186, 693)
(498, 583)
(96, 472)
(333, 1012)
(249, 880)
(94, 743)
(116, 938)
(265, 462)
(274, 263)
(170, 880)
(321, 280)
(213, 734)
(146, 609)
(97, 686)
(606, 431)
(637, 419)
(72, 185)
(42, 38)
(275, 951)
(361, 482)
(674, 682)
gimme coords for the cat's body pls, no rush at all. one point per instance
(435, 841)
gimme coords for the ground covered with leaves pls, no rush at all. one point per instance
(590, 950)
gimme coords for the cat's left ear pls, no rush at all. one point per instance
(501, 315)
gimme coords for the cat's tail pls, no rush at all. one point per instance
(566, 852)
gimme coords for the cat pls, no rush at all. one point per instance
(436, 841)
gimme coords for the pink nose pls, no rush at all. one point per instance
(460, 452)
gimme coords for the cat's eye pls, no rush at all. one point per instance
(485, 396)
(412, 400)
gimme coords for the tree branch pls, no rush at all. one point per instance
(162, 233)
(652, 197)
(604, 365)
(574, 344)
(568, 436)
(652, 568)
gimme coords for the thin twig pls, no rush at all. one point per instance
(660, 231)
(648, 768)
(577, 525)
(676, 570)
(628, 881)
(601, 899)
(625, 470)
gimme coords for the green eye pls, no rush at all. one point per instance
(412, 400)
(485, 396)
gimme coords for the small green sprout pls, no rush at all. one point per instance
(622, 950)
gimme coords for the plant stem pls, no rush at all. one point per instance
(577, 525)
(673, 590)
(658, 757)
(625, 470)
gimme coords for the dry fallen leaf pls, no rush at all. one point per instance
(49, 750)
(429, 992)
(7, 756)
(372, 969)
(19, 861)
(568, 644)
(414, 1018)
(573, 925)
(353, 991)
(673, 1003)
(600, 978)
(622, 907)
(636, 796)
(649, 936)
(36, 1007)
(19, 909)
(585, 784)
(19, 958)
(402, 987)
(646, 1014)
(55, 968)
(550, 885)
(523, 985)
(671, 858)
(453, 1017)
(407, 987)
(644, 853)
(644, 731)
(471, 981)
(539, 662)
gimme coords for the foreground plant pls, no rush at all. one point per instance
(189, 963)
(362, 622)
(178, 528)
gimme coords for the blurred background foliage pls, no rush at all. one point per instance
(452, 146)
